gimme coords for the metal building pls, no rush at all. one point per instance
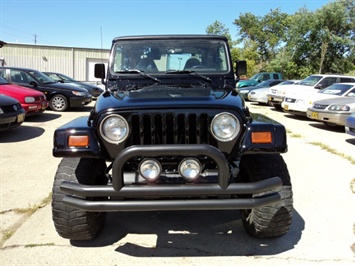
(77, 63)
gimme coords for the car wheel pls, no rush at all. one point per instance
(73, 223)
(58, 103)
(273, 220)
(278, 107)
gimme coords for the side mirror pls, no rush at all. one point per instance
(99, 71)
(33, 84)
(241, 68)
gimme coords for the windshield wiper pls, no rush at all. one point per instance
(140, 72)
(190, 72)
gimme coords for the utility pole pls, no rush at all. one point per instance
(35, 38)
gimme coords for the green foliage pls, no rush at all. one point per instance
(298, 44)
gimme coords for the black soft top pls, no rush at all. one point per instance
(170, 37)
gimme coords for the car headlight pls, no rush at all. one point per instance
(29, 100)
(1, 111)
(79, 93)
(225, 127)
(243, 91)
(339, 108)
(114, 129)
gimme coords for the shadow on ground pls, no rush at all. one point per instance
(21, 133)
(335, 129)
(189, 233)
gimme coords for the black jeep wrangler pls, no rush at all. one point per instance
(170, 133)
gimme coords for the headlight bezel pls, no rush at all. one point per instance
(104, 132)
(217, 119)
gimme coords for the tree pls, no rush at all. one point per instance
(218, 28)
(297, 45)
(323, 41)
(268, 33)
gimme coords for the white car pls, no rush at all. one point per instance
(260, 95)
(298, 103)
(312, 83)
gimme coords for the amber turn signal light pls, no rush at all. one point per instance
(261, 137)
(78, 141)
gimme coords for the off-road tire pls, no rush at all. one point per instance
(58, 103)
(273, 220)
(69, 222)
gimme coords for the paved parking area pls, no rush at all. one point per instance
(322, 231)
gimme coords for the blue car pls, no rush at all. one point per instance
(350, 125)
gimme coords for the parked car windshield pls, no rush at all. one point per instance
(161, 56)
(337, 89)
(42, 77)
(3, 81)
(60, 77)
(256, 76)
(310, 81)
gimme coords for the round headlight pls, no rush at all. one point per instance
(225, 127)
(150, 169)
(190, 169)
(114, 129)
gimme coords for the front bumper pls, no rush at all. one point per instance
(328, 117)
(277, 99)
(220, 195)
(79, 101)
(295, 108)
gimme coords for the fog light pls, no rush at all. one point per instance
(150, 169)
(190, 169)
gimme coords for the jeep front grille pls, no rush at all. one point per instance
(179, 128)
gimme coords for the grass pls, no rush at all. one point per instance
(6, 235)
(324, 147)
(32, 209)
(333, 151)
(39, 245)
(27, 212)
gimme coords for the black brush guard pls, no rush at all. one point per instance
(133, 197)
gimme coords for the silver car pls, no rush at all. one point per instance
(333, 111)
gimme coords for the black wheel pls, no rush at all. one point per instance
(278, 107)
(273, 220)
(69, 222)
(58, 103)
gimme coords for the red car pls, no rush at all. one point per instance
(32, 101)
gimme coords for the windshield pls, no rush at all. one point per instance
(310, 81)
(3, 81)
(263, 84)
(164, 55)
(255, 77)
(44, 79)
(336, 89)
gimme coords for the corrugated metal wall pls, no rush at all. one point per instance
(67, 60)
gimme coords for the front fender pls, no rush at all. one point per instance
(262, 123)
(76, 127)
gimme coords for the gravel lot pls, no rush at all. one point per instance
(321, 162)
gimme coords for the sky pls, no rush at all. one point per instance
(93, 24)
